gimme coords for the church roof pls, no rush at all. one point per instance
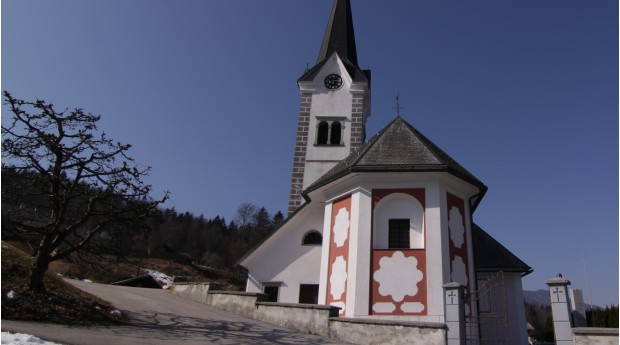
(398, 147)
(339, 38)
(491, 256)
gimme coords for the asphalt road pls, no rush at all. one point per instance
(159, 317)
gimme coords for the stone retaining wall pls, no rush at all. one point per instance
(372, 331)
(322, 320)
(307, 318)
(193, 290)
(242, 303)
(595, 336)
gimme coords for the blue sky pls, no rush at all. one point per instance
(524, 94)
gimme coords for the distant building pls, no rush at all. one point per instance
(377, 227)
(578, 308)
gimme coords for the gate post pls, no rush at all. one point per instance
(560, 310)
(455, 313)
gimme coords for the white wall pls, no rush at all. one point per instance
(504, 301)
(517, 325)
(283, 259)
(328, 104)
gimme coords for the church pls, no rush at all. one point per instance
(378, 226)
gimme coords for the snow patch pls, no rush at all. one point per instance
(165, 280)
(23, 339)
(11, 294)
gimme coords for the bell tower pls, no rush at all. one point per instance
(334, 107)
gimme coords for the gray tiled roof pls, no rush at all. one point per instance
(491, 256)
(397, 147)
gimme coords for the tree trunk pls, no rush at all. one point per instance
(37, 272)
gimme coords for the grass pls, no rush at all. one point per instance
(61, 303)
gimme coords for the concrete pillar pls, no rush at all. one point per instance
(455, 313)
(560, 310)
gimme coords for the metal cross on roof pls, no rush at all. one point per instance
(398, 107)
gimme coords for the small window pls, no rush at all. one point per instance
(312, 238)
(272, 292)
(323, 134)
(335, 133)
(309, 293)
(399, 233)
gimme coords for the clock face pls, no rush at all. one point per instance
(333, 82)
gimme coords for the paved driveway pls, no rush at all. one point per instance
(159, 317)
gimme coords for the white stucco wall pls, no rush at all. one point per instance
(437, 264)
(517, 324)
(358, 294)
(283, 259)
(328, 104)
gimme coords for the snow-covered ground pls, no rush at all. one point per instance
(23, 339)
(160, 277)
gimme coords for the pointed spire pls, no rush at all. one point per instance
(339, 36)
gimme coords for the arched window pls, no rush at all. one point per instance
(312, 238)
(398, 223)
(329, 131)
(335, 131)
(323, 133)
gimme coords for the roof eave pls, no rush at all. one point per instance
(266, 238)
(523, 271)
(401, 168)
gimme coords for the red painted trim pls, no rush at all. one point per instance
(335, 251)
(463, 251)
(376, 254)
(421, 296)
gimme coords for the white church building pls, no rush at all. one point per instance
(378, 226)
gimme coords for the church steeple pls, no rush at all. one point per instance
(335, 103)
(339, 38)
(339, 35)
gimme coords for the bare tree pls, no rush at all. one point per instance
(82, 185)
(245, 213)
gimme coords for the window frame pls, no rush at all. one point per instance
(276, 285)
(315, 298)
(311, 232)
(399, 232)
(319, 135)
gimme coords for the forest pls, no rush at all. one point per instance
(165, 233)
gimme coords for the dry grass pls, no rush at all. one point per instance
(61, 304)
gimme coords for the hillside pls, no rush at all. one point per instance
(62, 303)
(541, 298)
(538, 297)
